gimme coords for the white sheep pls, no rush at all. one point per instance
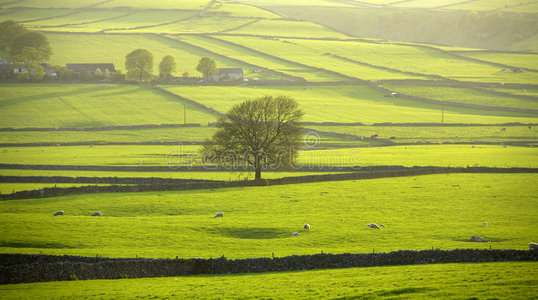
(306, 226)
(485, 223)
(533, 246)
(97, 214)
(373, 225)
(382, 225)
(59, 213)
(295, 234)
(219, 215)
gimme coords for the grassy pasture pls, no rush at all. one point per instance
(259, 60)
(145, 18)
(303, 52)
(77, 20)
(25, 15)
(439, 134)
(428, 155)
(152, 135)
(169, 134)
(83, 105)
(274, 27)
(341, 104)
(524, 92)
(464, 95)
(50, 3)
(185, 155)
(71, 48)
(441, 211)
(241, 10)
(157, 4)
(425, 3)
(514, 280)
(400, 57)
(208, 175)
(486, 5)
(519, 60)
(199, 24)
(269, 3)
(8, 188)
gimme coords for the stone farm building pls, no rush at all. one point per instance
(81, 69)
(227, 74)
(5, 69)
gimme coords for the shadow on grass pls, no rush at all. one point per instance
(250, 233)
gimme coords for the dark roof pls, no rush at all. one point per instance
(91, 67)
(231, 71)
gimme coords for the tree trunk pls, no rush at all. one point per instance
(258, 168)
(258, 173)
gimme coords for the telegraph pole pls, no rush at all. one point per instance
(443, 114)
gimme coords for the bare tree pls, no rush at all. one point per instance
(261, 132)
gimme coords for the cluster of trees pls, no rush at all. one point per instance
(139, 66)
(27, 48)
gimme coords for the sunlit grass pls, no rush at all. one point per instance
(440, 211)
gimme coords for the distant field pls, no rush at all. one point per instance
(514, 280)
(89, 105)
(464, 95)
(74, 48)
(529, 61)
(8, 188)
(49, 3)
(439, 134)
(250, 56)
(197, 25)
(317, 54)
(208, 175)
(159, 4)
(482, 5)
(399, 57)
(524, 92)
(440, 211)
(342, 104)
(288, 28)
(185, 155)
(169, 134)
(240, 10)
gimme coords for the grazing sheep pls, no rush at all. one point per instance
(59, 213)
(503, 129)
(373, 225)
(533, 246)
(219, 215)
(306, 226)
(478, 239)
(97, 214)
(295, 234)
(382, 225)
(485, 223)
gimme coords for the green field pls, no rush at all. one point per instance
(341, 104)
(515, 280)
(464, 95)
(318, 52)
(8, 188)
(439, 134)
(92, 105)
(187, 155)
(441, 211)
(528, 61)
(255, 58)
